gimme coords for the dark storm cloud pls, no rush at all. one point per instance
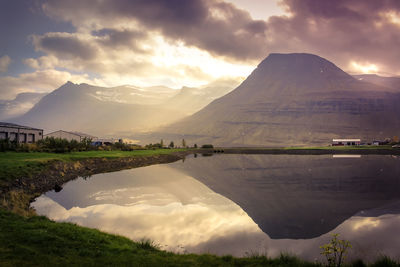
(363, 31)
(341, 30)
(353, 9)
(218, 27)
(65, 45)
(121, 38)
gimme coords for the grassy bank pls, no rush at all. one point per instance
(37, 241)
(15, 165)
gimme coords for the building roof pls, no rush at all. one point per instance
(346, 140)
(74, 133)
(13, 125)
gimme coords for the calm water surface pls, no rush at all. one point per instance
(239, 204)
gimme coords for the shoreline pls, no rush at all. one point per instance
(17, 195)
(308, 151)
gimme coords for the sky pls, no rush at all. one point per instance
(45, 43)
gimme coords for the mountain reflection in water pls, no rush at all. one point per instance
(233, 204)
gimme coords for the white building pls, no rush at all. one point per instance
(19, 133)
(70, 135)
(346, 142)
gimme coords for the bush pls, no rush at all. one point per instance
(335, 251)
(58, 145)
(154, 146)
(6, 145)
(207, 146)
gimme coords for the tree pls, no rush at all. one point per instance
(195, 145)
(183, 143)
(171, 145)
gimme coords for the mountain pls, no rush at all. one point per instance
(128, 94)
(18, 106)
(118, 110)
(389, 82)
(191, 99)
(95, 110)
(294, 100)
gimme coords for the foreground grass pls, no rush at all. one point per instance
(18, 164)
(37, 241)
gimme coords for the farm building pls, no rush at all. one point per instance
(19, 133)
(346, 142)
(70, 135)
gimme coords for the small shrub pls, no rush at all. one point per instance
(207, 146)
(7, 145)
(147, 244)
(335, 251)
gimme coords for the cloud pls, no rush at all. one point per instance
(128, 56)
(364, 32)
(44, 62)
(342, 31)
(38, 81)
(65, 45)
(215, 26)
(191, 43)
(4, 63)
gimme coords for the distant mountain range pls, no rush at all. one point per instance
(288, 100)
(119, 110)
(296, 100)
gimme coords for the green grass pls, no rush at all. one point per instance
(37, 241)
(19, 164)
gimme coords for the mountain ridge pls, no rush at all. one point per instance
(109, 111)
(294, 99)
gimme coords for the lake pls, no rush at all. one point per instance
(243, 204)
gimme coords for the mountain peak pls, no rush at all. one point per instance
(293, 55)
(300, 69)
(298, 60)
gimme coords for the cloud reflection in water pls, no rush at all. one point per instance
(182, 214)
